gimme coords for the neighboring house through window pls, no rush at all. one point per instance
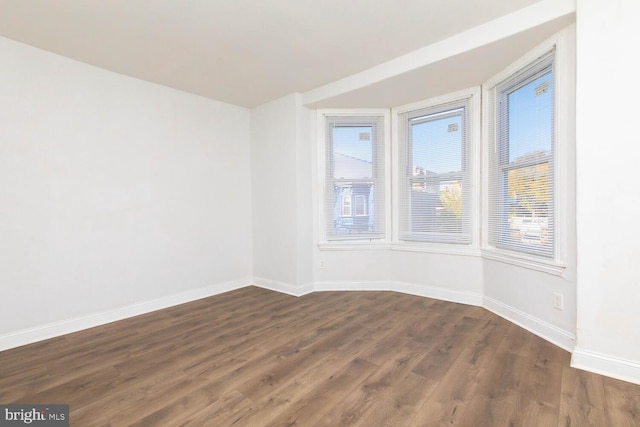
(355, 182)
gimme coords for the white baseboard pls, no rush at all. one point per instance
(51, 330)
(545, 330)
(283, 287)
(622, 369)
(353, 286)
(444, 294)
(462, 297)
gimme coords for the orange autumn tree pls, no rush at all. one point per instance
(529, 187)
(451, 199)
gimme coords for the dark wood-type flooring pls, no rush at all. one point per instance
(253, 357)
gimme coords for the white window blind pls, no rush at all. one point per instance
(434, 189)
(521, 161)
(354, 196)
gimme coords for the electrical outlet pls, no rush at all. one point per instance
(558, 301)
(322, 264)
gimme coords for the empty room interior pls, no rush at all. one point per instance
(320, 213)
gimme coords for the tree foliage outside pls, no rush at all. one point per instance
(451, 199)
(529, 190)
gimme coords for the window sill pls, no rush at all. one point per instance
(353, 246)
(445, 249)
(531, 263)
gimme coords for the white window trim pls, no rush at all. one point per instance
(556, 265)
(360, 244)
(474, 96)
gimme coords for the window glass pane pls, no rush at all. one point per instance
(529, 205)
(521, 210)
(355, 166)
(436, 207)
(352, 152)
(434, 201)
(530, 119)
(437, 144)
(344, 222)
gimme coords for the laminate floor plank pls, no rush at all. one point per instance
(261, 385)
(322, 339)
(269, 407)
(216, 364)
(494, 402)
(307, 410)
(300, 382)
(446, 348)
(175, 345)
(539, 391)
(361, 400)
(446, 405)
(621, 403)
(582, 401)
(398, 405)
(254, 357)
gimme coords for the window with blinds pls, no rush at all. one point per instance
(521, 161)
(434, 178)
(355, 182)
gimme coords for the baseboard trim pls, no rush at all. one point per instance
(444, 294)
(285, 288)
(51, 330)
(353, 286)
(545, 330)
(614, 367)
(427, 291)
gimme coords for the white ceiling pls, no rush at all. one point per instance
(247, 52)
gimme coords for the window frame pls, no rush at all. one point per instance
(470, 96)
(326, 241)
(557, 263)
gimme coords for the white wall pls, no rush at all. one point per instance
(353, 269)
(305, 180)
(608, 204)
(281, 174)
(448, 277)
(526, 296)
(113, 191)
(445, 276)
